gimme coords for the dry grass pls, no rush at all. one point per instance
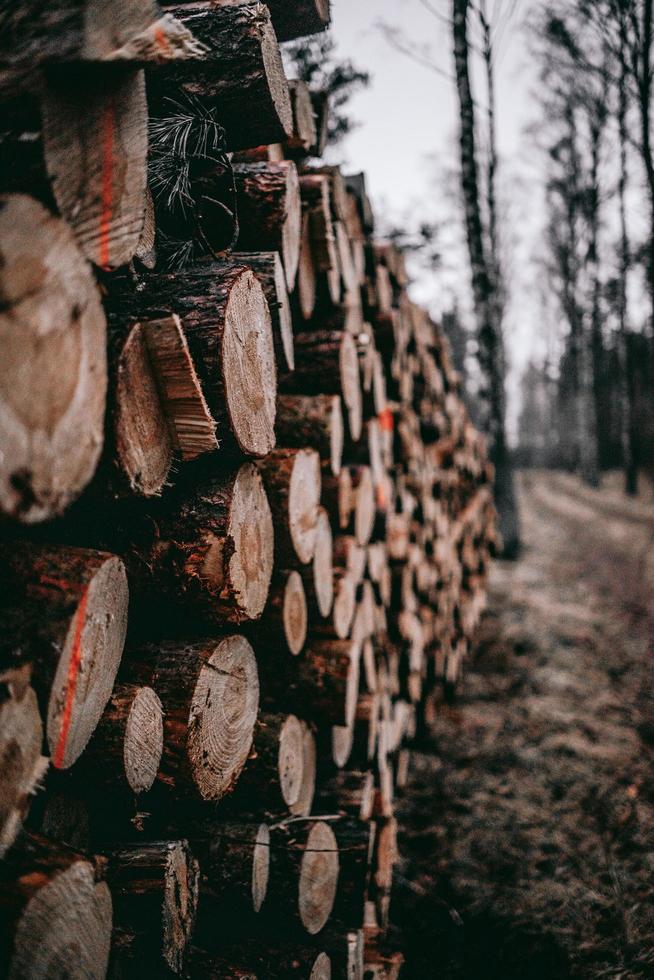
(528, 830)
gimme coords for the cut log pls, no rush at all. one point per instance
(269, 270)
(142, 450)
(210, 696)
(64, 613)
(227, 323)
(304, 803)
(34, 36)
(350, 556)
(292, 481)
(282, 628)
(270, 211)
(364, 507)
(319, 583)
(240, 74)
(261, 961)
(327, 361)
(337, 496)
(235, 861)
(146, 252)
(158, 405)
(327, 673)
(312, 420)
(212, 551)
(56, 916)
(299, 18)
(53, 354)
(127, 745)
(344, 603)
(304, 873)
(95, 145)
(349, 792)
(306, 285)
(155, 889)
(272, 779)
(304, 136)
(22, 766)
(356, 841)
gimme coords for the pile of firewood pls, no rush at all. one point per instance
(247, 521)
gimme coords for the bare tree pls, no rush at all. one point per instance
(485, 285)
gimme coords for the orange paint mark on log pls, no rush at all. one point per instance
(385, 419)
(161, 40)
(382, 500)
(71, 682)
(108, 130)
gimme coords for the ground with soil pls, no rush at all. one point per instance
(527, 829)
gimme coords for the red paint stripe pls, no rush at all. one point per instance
(385, 419)
(161, 41)
(108, 129)
(71, 682)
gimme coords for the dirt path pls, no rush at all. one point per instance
(527, 833)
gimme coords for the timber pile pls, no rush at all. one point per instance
(220, 645)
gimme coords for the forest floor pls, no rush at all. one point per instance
(527, 829)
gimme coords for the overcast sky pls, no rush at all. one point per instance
(406, 140)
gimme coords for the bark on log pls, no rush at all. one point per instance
(312, 420)
(210, 695)
(299, 18)
(53, 352)
(270, 211)
(272, 779)
(235, 862)
(36, 35)
(304, 804)
(64, 613)
(304, 873)
(212, 551)
(95, 145)
(127, 745)
(292, 481)
(327, 361)
(327, 673)
(259, 961)
(350, 556)
(155, 888)
(282, 628)
(268, 268)
(350, 792)
(356, 841)
(22, 766)
(56, 917)
(227, 324)
(240, 75)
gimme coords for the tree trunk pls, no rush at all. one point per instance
(491, 355)
(64, 615)
(226, 320)
(53, 354)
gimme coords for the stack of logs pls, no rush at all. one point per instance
(227, 607)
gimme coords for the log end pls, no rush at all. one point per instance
(222, 718)
(260, 867)
(143, 740)
(294, 613)
(88, 664)
(251, 530)
(318, 877)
